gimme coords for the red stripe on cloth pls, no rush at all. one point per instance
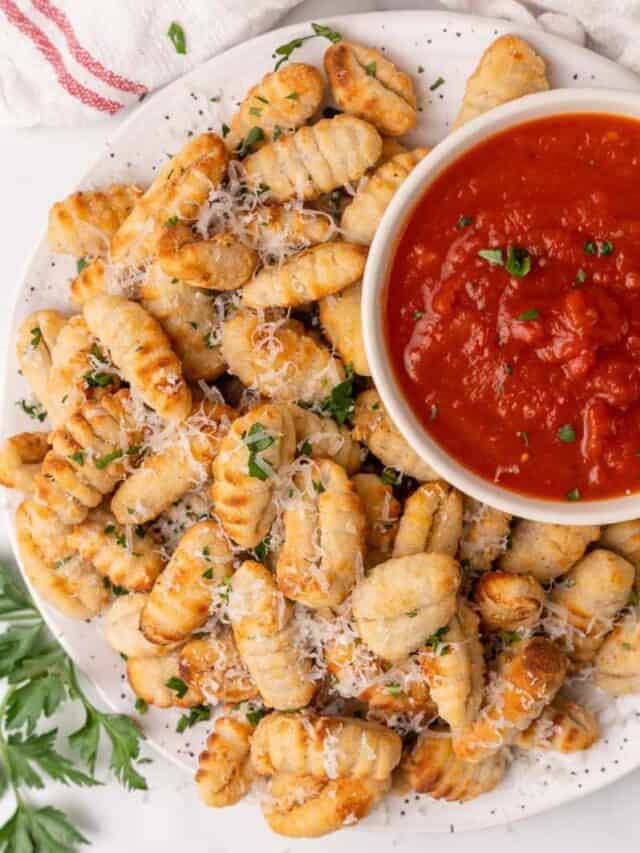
(53, 57)
(81, 55)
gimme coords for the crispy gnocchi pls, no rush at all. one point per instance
(214, 469)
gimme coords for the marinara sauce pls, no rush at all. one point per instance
(513, 308)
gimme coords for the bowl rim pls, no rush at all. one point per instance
(529, 108)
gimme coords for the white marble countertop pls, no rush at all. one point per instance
(37, 167)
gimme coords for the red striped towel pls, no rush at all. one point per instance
(66, 62)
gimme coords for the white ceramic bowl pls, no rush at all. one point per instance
(545, 104)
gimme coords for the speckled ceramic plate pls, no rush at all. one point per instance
(429, 45)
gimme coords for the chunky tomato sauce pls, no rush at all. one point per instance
(513, 308)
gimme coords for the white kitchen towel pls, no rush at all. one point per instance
(611, 27)
(67, 62)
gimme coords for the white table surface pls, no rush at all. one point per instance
(36, 168)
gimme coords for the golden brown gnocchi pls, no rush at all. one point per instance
(485, 534)
(341, 321)
(35, 340)
(431, 521)
(225, 772)
(382, 512)
(617, 665)
(508, 602)
(212, 665)
(364, 82)
(21, 456)
(122, 627)
(563, 726)
(546, 551)
(156, 680)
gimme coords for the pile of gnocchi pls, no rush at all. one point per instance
(221, 481)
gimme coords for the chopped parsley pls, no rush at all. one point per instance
(371, 69)
(172, 221)
(257, 440)
(436, 84)
(210, 341)
(103, 461)
(391, 477)
(81, 263)
(509, 637)
(292, 96)
(530, 314)
(590, 248)
(508, 369)
(567, 434)
(77, 457)
(411, 614)
(494, 256)
(36, 337)
(277, 133)
(339, 404)
(177, 685)
(34, 410)
(177, 36)
(581, 276)
(306, 449)
(436, 642)
(464, 222)
(255, 715)
(394, 689)
(261, 99)
(633, 598)
(114, 588)
(141, 706)
(262, 549)
(197, 714)
(574, 495)
(208, 575)
(255, 135)
(605, 248)
(255, 111)
(95, 379)
(225, 129)
(318, 487)
(284, 51)
(518, 261)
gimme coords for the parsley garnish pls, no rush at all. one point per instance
(141, 706)
(34, 410)
(255, 715)
(464, 222)
(177, 685)
(318, 487)
(494, 256)
(391, 477)
(371, 69)
(581, 276)
(116, 454)
(394, 689)
(435, 641)
(509, 637)
(436, 85)
(36, 337)
(255, 111)
(567, 433)
(208, 575)
(605, 248)
(77, 457)
(257, 440)
(171, 221)
(285, 50)
(574, 495)
(261, 551)
(197, 714)
(531, 314)
(339, 404)
(590, 248)
(306, 448)
(225, 130)
(292, 96)
(518, 261)
(177, 36)
(256, 134)
(95, 379)
(81, 263)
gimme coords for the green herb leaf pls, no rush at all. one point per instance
(141, 706)
(262, 549)
(172, 221)
(391, 477)
(77, 457)
(225, 130)
(590, 248)
(417, 315)
(436, 85)
(256, 134)
(340, 404)
(371, 69)
(574, 495)
(318, 487)
(197, 714)
(81, 263)
(633, 598)
(177, 36)
(518, 261)
(292, 96)
(34, 410)
(394, 689)
(605, 247)
(326, 32)
(464, 222)
(255, 715)
(494, 256)
(567, 433)
(436, 642)
(255, 111)
(177, 685)
(306, 448)
(531, 314)
(509, 637)
(36, 337)
(95, 379)
(581, 276)
(103, 461)
(25, 754)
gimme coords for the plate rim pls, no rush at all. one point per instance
(136, 112)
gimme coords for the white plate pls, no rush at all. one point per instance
(447, 46)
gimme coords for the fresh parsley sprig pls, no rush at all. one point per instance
(283, 53)
(39, 677)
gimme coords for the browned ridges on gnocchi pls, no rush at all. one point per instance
(373, 426)
(141, 350)
(178, 191)
(316, 159)
(35, 340)
(189, 318)
(323, 537)
(281, 102)
(151, 677)
(508, 602)
(222, 262)
(180, 599)
(546, 551)
(563, 726)
(90, 281)
(279, 358)
(84, 222)
(508, 69)
(254, 449)
(89, 455)
(342, 324)
(364, 82)
(262, 628)
(122, 628)
(59, 575)
(404, 601)
(276, 225)
(528, 677)
(360, 219)
(588, 599)
(225, 772)
(127, 556)
(307, 276)
(322, 438)
(213, 666)
(382, 512)
(485, 534)
(432, 767)
(617, 666)
(624, 539)
(182, 465)
(20, 458)
(431, 521)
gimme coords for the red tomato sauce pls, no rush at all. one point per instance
(528, 377)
